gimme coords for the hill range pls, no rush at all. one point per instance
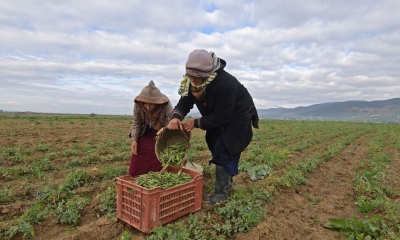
(360, 111)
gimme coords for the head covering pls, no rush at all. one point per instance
(199, 63)
(151, 94)
(202, 64)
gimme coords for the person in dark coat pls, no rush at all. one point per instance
(227, 114)
(151, 112)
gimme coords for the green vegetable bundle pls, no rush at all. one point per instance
(173, 155)
(163, 179)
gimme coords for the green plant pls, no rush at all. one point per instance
(91, 158)
(170, 233)
(239, 216)
(41, 148)
(76, 162)
(119, 156)
(69, 211)
(259, 172)
(70, 153)
(192, 154)
(112, 172)
(76, 179)
(23, 227)
(108, 201)
(5, 194)
(125, 236)
(369, 228)
(208, 170)
(41, 165)
(36, 213)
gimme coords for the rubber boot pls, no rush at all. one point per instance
(231, 185)
(223, 182)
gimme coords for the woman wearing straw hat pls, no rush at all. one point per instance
(151, 112)
(227, 114)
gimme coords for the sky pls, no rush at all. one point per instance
(95, 56)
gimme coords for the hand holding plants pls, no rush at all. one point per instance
(188, 125)
(175, 124)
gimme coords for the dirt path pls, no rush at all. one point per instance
(300, 212)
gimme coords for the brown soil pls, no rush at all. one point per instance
(301, 212)
(297, 212)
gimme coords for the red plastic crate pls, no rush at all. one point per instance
(146, 209)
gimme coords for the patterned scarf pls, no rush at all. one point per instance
(155, 116)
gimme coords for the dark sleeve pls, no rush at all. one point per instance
(183, 107)
(224, 101)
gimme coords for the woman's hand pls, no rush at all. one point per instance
(175, 124)
(134, 147)
(188, 125)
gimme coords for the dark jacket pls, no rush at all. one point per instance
(227, 105)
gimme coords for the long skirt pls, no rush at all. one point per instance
(146, 159)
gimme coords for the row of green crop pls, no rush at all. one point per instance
(246, 206)
(259, 160)
(242, 212)
(13, 193)
(25, 154)
(39, 167)
(62, 201)
(373, 196)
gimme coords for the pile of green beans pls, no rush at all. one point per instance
(163, 179)
(173, 155)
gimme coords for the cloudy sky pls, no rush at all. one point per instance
(95, 56)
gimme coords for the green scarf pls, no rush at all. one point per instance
(185, 84)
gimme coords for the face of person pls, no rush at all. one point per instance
(196, 80)
(149, 106)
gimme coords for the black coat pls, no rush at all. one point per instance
(226, 104)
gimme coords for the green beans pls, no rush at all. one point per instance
(163, 179)
(173, 155)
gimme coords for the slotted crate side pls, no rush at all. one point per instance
(130, 207)
(145, 208)
(175, 204)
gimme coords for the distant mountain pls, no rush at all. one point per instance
(369, 111)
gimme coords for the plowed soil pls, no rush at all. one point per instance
(296, 212)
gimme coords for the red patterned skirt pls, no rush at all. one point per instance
(146, 159)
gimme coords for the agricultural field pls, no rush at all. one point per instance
(297, 180)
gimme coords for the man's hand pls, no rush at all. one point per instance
(134, 147)
(175, 124)
(188, 125)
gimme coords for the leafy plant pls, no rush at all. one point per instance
(112, 172)
(108, 201)
(5, 194)
(125, 236)
(76, 179)
(35, 214)
(22, 227)
(76, 162)
(259, 172)
(69, 211)
(239, 216)
(369, 228)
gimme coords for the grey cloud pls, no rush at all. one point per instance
(92, 56)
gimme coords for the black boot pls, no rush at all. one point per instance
(223, 182)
